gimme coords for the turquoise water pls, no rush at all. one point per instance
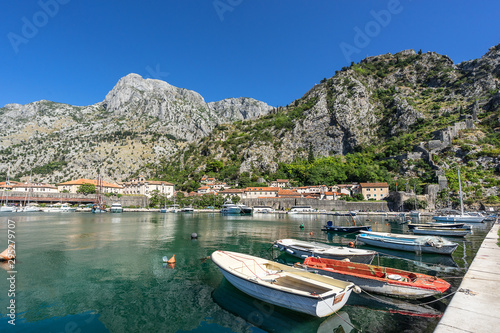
(80, 272)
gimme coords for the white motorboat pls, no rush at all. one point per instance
(230, 208)
(301, 209)
(7, 209)
(116, 208)
(263, 209)
(283, 285)
(31, 209)
(65, 208)
(302, 249)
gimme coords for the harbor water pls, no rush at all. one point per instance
(83, 272)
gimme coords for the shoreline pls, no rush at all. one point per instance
(475, 307)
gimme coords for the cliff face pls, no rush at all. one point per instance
(145, 124)
(380, 100)
(139, 122)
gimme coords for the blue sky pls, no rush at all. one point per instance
(74, 51)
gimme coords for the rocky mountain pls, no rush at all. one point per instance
(416, 114)
(413, 114)
(139, 122)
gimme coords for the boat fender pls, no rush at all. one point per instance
(290, 251)
(311, 233)
(304, 256)
(275, 245)
(351, 244)
(356, 289)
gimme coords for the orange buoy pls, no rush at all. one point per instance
(171, 260)
(311, 233)
(9, 253)
(351, 244)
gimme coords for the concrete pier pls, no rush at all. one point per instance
(477, 307)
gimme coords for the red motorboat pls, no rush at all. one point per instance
(379, 279)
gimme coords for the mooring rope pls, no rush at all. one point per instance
(336, 313)
(424, 303)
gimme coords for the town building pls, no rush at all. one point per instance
(141, 186)
(261, 192)
(233, 192)
(73, 185)
(35, 188)
(377, 191)
(281, 183)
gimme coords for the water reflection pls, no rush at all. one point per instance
(83, 322)
(272, 318)
(110, 264)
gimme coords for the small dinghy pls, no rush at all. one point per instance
(447, 232)
(302, 249)
(412, 243)
(283, 285)
(439, 225)
(379, 279)
(353, 228)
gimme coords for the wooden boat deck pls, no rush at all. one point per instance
(298, 284)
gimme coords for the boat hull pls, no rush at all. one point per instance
(440, 232)
(231, 211)
(459, 218)
(437, 225)
(365, 257)
(406, 246)
(382, 284)
(313, 305)
(347, 229)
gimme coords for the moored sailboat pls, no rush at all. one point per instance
(462, 217)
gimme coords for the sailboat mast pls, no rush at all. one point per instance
(460, 189)
(7, 182)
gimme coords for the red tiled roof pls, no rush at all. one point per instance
(232, 190)
(35, 186)
(373, 184)
(262, 189)
(82, 181)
